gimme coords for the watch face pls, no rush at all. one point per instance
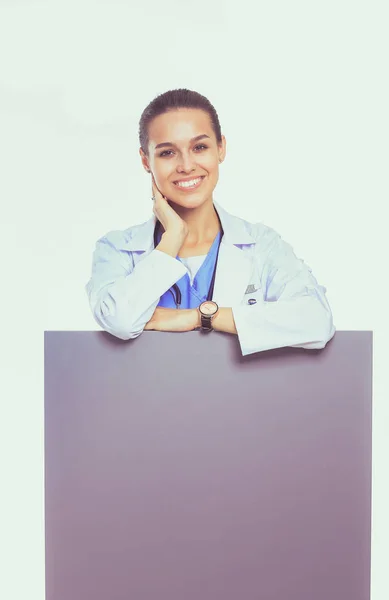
(209, 307)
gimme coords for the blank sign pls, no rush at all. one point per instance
(176, 469)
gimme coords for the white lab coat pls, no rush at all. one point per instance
(129, 276)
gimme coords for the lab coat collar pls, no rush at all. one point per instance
(234, 228)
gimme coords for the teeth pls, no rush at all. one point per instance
(188, 183)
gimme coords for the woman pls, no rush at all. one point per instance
(194, 265)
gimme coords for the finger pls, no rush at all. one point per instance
(154, 186)
(160, 201)
(154, 189)
(156, 192)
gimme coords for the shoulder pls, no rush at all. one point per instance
(262, 241)
(272, 250)
(263, 235)
(121, 238)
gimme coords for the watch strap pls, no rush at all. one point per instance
(206, 322)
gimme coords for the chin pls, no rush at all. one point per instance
(192, 201)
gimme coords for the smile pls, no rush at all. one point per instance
(189, 185)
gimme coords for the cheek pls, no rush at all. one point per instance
(161, 172)
(209, 164)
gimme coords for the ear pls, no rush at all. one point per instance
(145, 161)
(222, 149)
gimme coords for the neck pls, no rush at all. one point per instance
(203, 223)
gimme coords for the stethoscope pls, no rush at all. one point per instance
(177, 292)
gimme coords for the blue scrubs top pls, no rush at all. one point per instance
(193, 295)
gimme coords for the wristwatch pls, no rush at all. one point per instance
(208, 310)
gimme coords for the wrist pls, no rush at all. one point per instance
(170, 244)
(197, 319)
(208, 311)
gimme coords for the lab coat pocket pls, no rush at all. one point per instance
(253, 294)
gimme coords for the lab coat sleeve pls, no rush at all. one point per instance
(123, 295)
(294, 310)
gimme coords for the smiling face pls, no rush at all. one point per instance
(184, 156)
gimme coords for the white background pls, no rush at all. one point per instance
(301, 92)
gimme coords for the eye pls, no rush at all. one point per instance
(165, 153)
(201, 147)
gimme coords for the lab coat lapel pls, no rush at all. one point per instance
(233, 275)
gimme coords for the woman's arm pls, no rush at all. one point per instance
(294, 311)
(122, 297)
(171, 319)
(301, 322)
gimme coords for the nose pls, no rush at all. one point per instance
(186, 163)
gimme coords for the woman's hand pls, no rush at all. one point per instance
(176, 230)
(173, 319)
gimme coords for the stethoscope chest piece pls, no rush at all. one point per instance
(251, 301)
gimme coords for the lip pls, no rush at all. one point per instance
(190, 189)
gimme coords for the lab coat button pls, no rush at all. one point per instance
(251, 301)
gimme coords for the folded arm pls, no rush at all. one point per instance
(294, 310)
(123, 296)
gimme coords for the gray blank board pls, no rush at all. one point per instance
(176, 469)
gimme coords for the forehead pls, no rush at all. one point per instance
(179, 126)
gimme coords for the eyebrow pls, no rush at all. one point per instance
(195, 139)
